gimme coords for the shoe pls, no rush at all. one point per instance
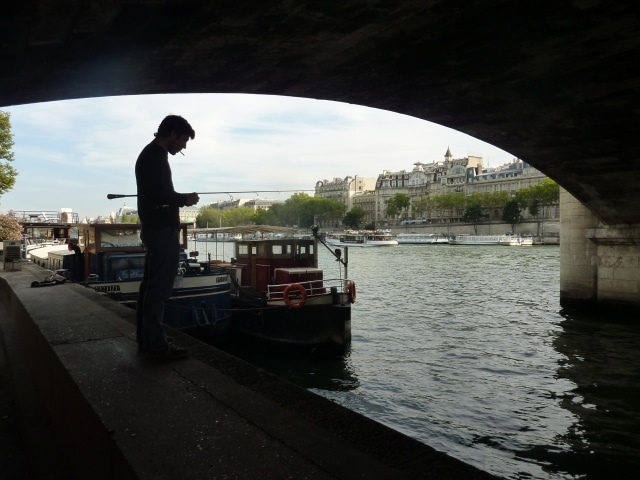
(170, 352)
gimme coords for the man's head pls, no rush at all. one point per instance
(174, 133)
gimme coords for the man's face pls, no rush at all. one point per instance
(177, 143)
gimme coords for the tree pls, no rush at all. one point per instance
(7, 172)
(547, 192)
(325, 210)
(511, 214)
(9, 228)
(209, 217)
(263, 216)
(540, 195)
(354, 217)
(398, 205)
(239, 216)
(303, 210)
(295, 210)
(422, 206)
(473, 214)
(451, 203)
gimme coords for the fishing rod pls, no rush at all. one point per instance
(111, 196)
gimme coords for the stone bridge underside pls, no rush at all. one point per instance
(552, 82)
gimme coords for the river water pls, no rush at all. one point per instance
(467, 350)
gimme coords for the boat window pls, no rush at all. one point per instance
(276, 250)
(91, 238)
(120, 238)
(306, 249)
(243, 249)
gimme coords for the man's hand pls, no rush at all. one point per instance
(192, 199)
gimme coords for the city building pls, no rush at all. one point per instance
(188, 214)
(506, 178)
(448, 176)
(253, 203)
(465, 175)
(344, 189)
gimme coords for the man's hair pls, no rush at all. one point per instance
(174, 123)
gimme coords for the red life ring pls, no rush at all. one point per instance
(351, 291)
(301, 299)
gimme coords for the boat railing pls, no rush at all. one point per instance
(312, 287)
(52, 217)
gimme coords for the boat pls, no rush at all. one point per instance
(423, 238)
(466, 239)
(271, 291)
(281, 297)
(112, 258)
(43, 237)
(516, 240)
(351, 238)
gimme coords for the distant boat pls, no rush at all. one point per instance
(516, 240)
(423, 238)
(218, 237)
(378, 238)
(466, 239)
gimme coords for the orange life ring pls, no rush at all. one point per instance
(301, 300)
(351, 291)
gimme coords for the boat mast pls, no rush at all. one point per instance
(336, 253)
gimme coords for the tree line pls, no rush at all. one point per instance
(508, 207)
(302, 210)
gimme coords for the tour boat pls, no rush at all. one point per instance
(423, 238)
(516, 240)
(378, 238)
(466, 239)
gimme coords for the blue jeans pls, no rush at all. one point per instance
(160, 268)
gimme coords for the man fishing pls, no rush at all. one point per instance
(158, 209)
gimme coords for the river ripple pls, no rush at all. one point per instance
(466, 349)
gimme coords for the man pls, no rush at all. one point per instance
(77, 270)
(158, 205)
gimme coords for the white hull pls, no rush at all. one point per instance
(422, 239)
(367, 243)
(363, 239)
(514, 241)
(474, 240)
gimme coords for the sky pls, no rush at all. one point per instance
(71, 154)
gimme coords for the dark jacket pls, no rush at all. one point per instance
(158, 202)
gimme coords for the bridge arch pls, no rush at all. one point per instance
(544, 80)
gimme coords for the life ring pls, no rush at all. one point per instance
(301, 300)
(351, 291)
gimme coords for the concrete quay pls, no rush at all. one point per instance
(78, 401)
